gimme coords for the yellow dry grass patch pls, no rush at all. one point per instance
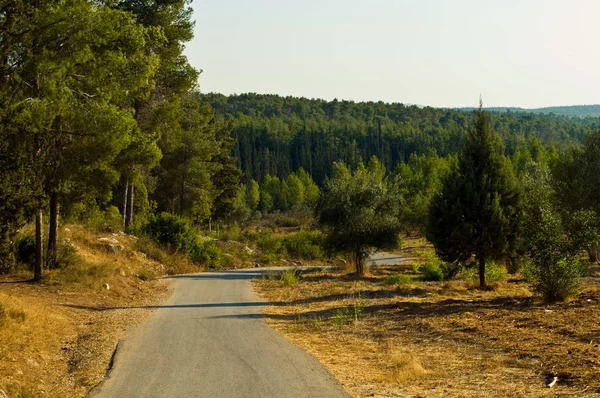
(30, 334)
(56, 339)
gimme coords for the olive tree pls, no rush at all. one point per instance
(360, 211)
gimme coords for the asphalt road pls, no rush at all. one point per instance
(210, 340)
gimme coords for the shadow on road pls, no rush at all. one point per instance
(174, 306)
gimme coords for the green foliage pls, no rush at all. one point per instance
(398, 279)
(277, 135)
(420, 179)
(290, 277)
(172, 231)
(304, 245)
(208, 253)
(360, 211)
(26, 250)
(477, 209)
(433, 269)
(553, 264)
(493, 273)
(556, 280)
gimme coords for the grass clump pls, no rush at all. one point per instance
(493, 273)
(290, 277)
(433, 269)
(350, 313)
(398, 279)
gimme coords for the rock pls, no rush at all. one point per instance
(105, 286)
(120, 272)
(248, 250)
(116, 248)
(256, 265)
(108, 239)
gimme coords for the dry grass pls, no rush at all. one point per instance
(54, 339)
(441, 339)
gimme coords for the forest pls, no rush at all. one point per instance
(277, 135)
(101, 119)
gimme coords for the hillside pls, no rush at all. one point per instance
(581, 111)
(277, 135)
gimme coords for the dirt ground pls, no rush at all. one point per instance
(440, 339)
(55, 340)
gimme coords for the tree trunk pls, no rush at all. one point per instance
(124, 203)
(481, 271)
(593, 253)
(39, 246)
(51, 261)
(129, 219)
(360, 264)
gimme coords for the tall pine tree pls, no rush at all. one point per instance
(475, 213)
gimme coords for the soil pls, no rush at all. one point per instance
(441, 339)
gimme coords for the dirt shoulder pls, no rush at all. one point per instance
(438, 339)
(55, 338)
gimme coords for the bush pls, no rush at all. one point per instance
(108, 220)
(433, 269)
(305, 245)
(26, 250)
(555, 281)
(290, 277)
(397, 280)
(207, 253)
(493, 273)
(171, 231)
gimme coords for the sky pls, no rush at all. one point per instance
(446, 53)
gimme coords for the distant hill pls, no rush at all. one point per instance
(573, 110)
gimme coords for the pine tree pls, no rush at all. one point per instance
(476, 211)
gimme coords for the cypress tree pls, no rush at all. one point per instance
(475, 213)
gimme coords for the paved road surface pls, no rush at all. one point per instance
(385, 259)
(209, 340)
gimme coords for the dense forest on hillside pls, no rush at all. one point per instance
(581, 111)
(277, 135)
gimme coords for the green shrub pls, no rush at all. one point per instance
(171, 231)
(290, 277)
(433, 269)
(555, 281)
(397, 280)
(305, 245)
(26, 250)
(207, 253)
(108, 220)
(144, 275)
(493, 273)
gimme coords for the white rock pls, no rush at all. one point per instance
(105, 286)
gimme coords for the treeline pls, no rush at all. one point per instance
(99, 117)
(535, 211)
(278, 135)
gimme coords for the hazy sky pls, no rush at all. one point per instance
(528, 53)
